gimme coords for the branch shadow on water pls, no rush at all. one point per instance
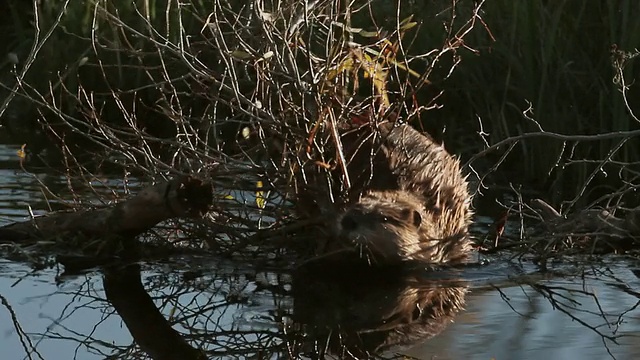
(347, 309)
(151, 331)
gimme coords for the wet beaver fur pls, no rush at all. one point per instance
(408, 198)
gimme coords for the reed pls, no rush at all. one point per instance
(67, 48)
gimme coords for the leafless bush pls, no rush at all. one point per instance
(246, 94)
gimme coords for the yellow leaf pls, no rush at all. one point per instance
(21, 153)
(396, 63)
(368, 59)
(225, 197)
(378, 76)
(345, 65)
(172, 312)
(260, 199)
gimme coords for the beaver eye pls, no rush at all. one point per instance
(412, 217)
(417, 219)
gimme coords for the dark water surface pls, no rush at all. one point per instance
(235, 310)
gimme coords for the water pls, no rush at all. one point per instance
(239, 310)
(533, 329)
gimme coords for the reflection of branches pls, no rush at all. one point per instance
(579, 303)
(27, 345)
(231, 312)
(568, 306)
(564, 304)
(173, 315)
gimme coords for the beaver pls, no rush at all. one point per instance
(408, 198)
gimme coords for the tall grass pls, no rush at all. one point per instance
(556, 57)
(89, 52)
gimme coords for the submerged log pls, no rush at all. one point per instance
(180, 197)
(152, 332)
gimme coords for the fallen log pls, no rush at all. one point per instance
(180, 197)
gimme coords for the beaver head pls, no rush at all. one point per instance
(395, 226)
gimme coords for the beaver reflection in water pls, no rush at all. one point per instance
(353, 310)
(409, 201)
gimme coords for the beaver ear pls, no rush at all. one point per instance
(417, 218)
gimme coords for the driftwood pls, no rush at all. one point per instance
(590, 224)
(180, 197)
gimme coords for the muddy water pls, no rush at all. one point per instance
(236, 310)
